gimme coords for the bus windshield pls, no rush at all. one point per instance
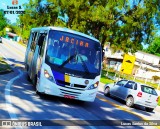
(73, 54)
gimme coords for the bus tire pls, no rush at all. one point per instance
(35, 84)
(28, 78)
(38, 93)
(35, 81)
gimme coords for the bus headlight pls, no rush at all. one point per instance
(47, 75)
(93, 86)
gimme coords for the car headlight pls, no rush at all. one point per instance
(48, 76)
(93, 86)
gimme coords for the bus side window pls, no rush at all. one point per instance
(34, 39)
(30, 40)
(41, 43)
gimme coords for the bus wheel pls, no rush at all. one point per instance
(38, 93)
(28, 78)
(36, 86)
(35, 81)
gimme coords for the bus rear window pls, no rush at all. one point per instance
(148, 90)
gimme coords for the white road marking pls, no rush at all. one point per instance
(9, 105)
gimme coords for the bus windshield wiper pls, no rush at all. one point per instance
(84, 65)
(65, 62)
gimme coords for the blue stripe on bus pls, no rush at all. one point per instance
(38, 74)
(58, 76)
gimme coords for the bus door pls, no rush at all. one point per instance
(31, 53)
(28, 49)
(38, 55)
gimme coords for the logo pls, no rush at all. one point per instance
(86, 82)
(14, 2)
(6, 123)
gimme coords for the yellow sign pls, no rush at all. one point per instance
(128, 63)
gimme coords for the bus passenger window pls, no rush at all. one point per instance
(33, 44)
(41, 43)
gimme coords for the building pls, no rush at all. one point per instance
(12, 36)
(146, 66)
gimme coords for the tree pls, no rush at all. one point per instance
(125, 24)
(122, 23)
(3, 23)
(37, 14)
(154, 47)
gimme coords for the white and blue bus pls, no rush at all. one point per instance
(64, 63)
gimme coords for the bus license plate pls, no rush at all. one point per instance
(69, 97)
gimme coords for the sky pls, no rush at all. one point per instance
(5, 3)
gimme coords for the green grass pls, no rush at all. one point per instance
(4, 66)
(104, 79)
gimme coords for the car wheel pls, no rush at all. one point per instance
(130, 101)
(106, 91)
(149, 109)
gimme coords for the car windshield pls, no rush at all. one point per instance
(148, 90)
(74, 53)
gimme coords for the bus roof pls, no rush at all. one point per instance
(64, 30)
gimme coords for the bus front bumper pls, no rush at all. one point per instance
(50, 88)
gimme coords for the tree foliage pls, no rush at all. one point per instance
(123, 23)
(3, 23)
(154, 47)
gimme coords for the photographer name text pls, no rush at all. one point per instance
(14, 10)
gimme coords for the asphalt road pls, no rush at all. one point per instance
(18, 101)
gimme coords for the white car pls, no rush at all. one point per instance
(133, 93)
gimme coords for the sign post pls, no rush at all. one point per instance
(127, 64)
